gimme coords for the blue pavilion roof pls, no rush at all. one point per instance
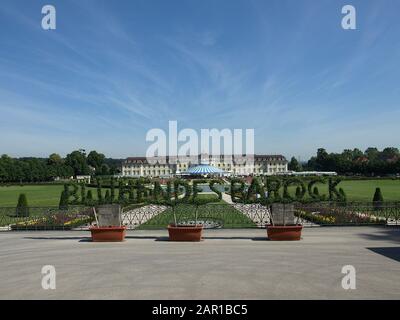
(204, 169)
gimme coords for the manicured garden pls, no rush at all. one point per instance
(37, 195)
(45, 218)
(49, 195)
(217, 214)
(363, 190)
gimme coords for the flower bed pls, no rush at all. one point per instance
(56, 221)
(338, 216)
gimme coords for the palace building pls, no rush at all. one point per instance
(259, 165)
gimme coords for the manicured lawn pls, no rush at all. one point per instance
(363, 190)
(37, 195)
(220, 212)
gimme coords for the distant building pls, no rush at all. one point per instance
(308, 173)
(83, 178)
(260, 165)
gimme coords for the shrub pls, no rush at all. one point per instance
(333, 192)
(63, 204)
(183, 186)
(83, 193)
(131, 191)
(273, 186)
(238, 193)
(313, 192)
(73, 193)
(107, 197)
(123, 195)
(378, 199)
(99, 194)
(214, 189)
(22, 209)
(298, 192)
(343, 197)
(89, 198)
(112, 190)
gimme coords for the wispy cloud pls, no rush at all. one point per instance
(284, 68)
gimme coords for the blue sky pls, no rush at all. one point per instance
(112, 70)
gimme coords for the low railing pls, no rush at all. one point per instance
(212, 215)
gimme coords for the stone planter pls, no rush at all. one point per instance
(284, 233)
(108, 234)
(185, 232)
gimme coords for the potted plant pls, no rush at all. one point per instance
(283, 227)
(108, 226)
(179, 231)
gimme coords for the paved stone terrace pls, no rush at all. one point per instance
(228, 264)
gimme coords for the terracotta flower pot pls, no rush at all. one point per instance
(284, 233)
(185, 233)
(108, 234)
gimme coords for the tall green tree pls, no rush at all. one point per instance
(78, 162)
(294, 165)
(55, 159)
(96, 160)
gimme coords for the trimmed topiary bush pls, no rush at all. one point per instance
(273, 185)
(22, 209)
(343, 197)
(214, 189)
(377, 199)
(313, 191)
(112, 190)
(334, 194)
(99, 194)
(238, 192)
(107, 197)
(300, 190)
(89, 198)
(83, 193)
(298, 193)
(63, 204)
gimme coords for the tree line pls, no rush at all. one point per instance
(32, 169)
(371, 162)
